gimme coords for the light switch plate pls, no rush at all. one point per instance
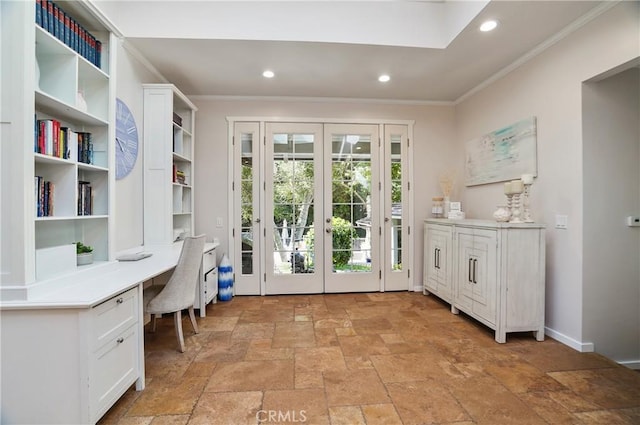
(561, 221)
(633, 221)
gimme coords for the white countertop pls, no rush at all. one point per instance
(89, 287)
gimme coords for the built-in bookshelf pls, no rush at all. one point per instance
(66, 95)
(169, 120)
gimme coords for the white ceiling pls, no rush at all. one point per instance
(221, 48)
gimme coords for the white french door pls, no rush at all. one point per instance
(351, 213)
(293, 208)
(395, 208)
(247, 232)
(319, 207)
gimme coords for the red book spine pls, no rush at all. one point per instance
(56, 138)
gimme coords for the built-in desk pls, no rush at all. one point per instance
(76, 345)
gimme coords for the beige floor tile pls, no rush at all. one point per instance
(160, 398)
(260, 349)
(425, 402)
(170, 420)
(354, 387)
(346, 415)
(319, 359)
(380, 414)
(520, 377)
(227, 408)
(253, 331)
(609, 388)
(409, 367)
(363, 345)
(487, 401)
(251, 375)
(295, 406)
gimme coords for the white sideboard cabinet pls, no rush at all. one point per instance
(494, 272)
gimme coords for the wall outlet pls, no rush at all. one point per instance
(218, 221)
(561, 221)
(633, 221)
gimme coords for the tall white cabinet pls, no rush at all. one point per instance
(169, 122)
(494, 272)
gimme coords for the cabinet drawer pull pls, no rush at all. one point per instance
(119, 300)
(469, 270)
(475, 271)
(120, 340)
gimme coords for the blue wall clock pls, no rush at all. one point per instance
(126, 140)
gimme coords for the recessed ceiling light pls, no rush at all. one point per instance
(268, 74)
(488, 26)
(384, 78)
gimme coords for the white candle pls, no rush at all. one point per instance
(507, 188)
(516, 186)
(527, 178)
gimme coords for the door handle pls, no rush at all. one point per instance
(328, 230)
(258, 220)
(328, 220)
(469, 270)
(438, 258)
(386, 219)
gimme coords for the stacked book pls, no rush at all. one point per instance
(85, 198)
(54, 20)
(44, 197)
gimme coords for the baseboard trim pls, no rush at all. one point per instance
(631, 364)
(583, 347)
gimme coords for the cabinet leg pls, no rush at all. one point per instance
(454, 310)
(425, 292)
(501, 337)
(539, 334)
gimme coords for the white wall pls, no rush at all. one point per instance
(433, 147)
(550, 87)
(131, 74)
(611, 266)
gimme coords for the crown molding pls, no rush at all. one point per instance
(574, 26)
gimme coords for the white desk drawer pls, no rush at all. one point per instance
(209, 260)
(114, 316)
(114, 369)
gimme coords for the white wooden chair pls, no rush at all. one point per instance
(180, 291)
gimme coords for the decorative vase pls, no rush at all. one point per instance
(502, 214)
(81, 104)
(225, 279)
(84, 258)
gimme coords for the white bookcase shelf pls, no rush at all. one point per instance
(168, 158)
(47, 82)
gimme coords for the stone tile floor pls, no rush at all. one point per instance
(378, 358)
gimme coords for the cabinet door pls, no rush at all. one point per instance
(438, 260)
(464, 290)
(484, 274)
(476, 288)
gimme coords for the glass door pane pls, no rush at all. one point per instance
(246, 233)
(395, 208)
(293, 189)
(351, 208)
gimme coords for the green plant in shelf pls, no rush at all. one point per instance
(82, 248)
